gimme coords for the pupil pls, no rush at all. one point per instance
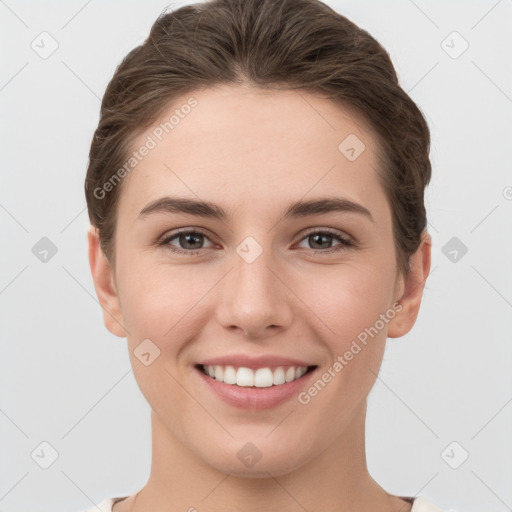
(191, 235)
(197, 237)
(318, 236)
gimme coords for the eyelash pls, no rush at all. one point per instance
(344, 245)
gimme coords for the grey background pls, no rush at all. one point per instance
(66, 381)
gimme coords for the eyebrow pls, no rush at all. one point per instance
(297, 209)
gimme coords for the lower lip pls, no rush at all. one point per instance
(256, 398)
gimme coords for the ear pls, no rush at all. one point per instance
(104, 283)
(410, 289)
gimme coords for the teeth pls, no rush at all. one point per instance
(278, 377)
(260, 378)
(245, 377)
(290, 374)
(263, 377)
(229, 375)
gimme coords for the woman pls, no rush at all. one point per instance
(256, 194)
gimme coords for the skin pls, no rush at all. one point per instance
(253, 152)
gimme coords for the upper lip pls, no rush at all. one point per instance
(266, 361)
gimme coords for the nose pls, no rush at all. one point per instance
(254, 298)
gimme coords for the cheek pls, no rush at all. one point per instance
(350, 299)
(155, 296)
(157, 302)
(351, 304)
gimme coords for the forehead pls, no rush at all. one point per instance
(249, 146)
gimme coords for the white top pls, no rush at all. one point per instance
(420, 504)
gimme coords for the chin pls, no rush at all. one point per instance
(249, 461)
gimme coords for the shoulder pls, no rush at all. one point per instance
(421, 504)
(106, 505)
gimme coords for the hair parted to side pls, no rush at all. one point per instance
(299, 45)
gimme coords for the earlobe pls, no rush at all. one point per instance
(104, 285)
(411, 289)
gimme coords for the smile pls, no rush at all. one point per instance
(260, 377)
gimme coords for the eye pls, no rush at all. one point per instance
(190, 240)
(320, 236)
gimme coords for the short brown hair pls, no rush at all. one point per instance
(294, 44)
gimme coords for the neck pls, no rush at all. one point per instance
(336, 478)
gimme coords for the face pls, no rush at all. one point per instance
(276, 284)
